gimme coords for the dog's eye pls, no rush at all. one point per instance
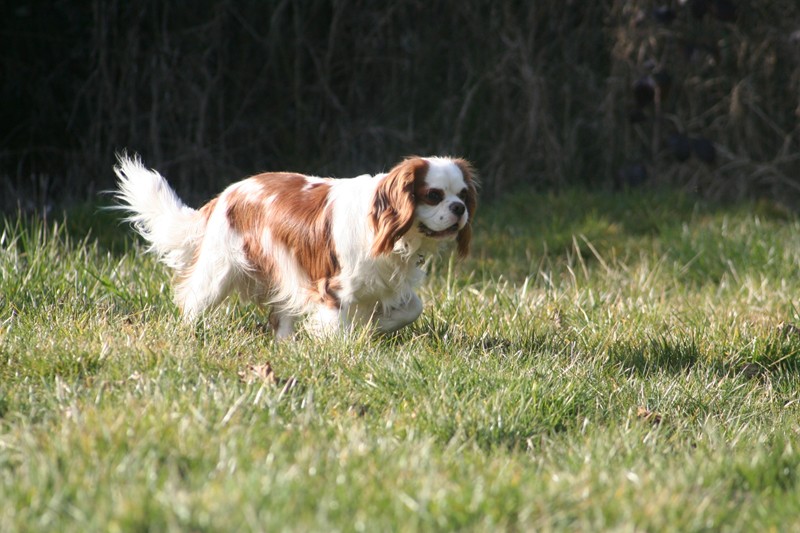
(463, 195)
(434, 196)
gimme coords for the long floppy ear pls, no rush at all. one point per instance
(393, 206)
(471, 179)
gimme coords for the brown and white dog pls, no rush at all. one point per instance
(344, 251)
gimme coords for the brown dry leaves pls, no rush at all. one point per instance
(651, 417)
(265, 374)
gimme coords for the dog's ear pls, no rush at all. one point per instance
(464, 237)
(392, 211)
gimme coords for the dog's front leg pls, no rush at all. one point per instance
(399, 316)
(282, 324)
(327, 320)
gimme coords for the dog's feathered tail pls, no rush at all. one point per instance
(171, 227)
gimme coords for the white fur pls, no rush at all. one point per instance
(378, 290)
(171, 228)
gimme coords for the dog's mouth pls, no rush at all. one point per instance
(447, 232)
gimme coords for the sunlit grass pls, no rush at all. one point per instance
(601, 362)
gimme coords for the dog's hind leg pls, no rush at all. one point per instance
(205, 287)
(214, 274)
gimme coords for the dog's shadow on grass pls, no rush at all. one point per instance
(655, 355)
(443, 335)
(779, 355)
(670, 354)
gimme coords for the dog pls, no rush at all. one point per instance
(343, 252)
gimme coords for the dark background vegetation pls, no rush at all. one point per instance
(703, 95)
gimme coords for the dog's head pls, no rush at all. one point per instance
(434, 196)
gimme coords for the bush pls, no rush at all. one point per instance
(544, 94)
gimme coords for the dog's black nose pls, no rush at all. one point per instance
(457, 208)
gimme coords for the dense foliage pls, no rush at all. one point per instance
(702, 93)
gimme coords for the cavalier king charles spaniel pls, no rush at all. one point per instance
(342, 251)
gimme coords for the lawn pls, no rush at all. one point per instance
(600, 362)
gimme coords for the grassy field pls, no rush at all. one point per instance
(625, 362)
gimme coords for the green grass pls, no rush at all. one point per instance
(622, 362)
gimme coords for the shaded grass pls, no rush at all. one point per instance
(513, 403)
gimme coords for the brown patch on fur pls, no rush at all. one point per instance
(207, 209)
(464, 237)
(327, 291)
(392, 211)
(297, 217)
(421, 192)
